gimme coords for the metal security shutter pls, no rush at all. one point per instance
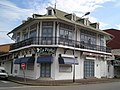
(88, 68)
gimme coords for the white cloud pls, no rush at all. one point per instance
(80, 5)
(4, 39)
(118, 26)
(117, 3)
(77, 6)
(101, 24)
(10, 14)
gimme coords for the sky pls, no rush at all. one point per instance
(12, 12)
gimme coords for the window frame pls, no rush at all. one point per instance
(86, 35)
(49, 12)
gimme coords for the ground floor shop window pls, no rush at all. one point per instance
(65, 68)
(29, 66)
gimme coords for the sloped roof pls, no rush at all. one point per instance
(115, 42)
(61, 16)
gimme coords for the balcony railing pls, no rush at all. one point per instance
(58, 41)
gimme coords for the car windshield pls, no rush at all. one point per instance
(2, 71)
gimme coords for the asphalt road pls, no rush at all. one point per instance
(4, 83)
(101, 86)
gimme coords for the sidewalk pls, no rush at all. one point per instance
(60, 82)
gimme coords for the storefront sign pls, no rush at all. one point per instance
(46, 50)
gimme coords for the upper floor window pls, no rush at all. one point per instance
(66, 31)
(65, 34)
(49, 12)
(47, 29)
(47, 32)
(25, 34)
(34, 26)
(18, 37)
(88, 37)
(33, 33)
(101, 39)
(33, 30)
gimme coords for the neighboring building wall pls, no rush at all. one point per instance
(5, 48)
(116, 51)
(115, 45)
(5, 58)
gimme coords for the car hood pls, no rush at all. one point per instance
(4, 74)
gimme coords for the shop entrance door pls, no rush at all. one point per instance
(88, 68)
(45, 70)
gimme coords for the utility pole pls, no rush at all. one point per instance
(75, 40)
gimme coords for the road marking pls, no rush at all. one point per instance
(4, 81)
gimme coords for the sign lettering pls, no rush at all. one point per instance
(46, 50)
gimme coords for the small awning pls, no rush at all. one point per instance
(17, 61)
(67, 60)
(27, 60)
(24, 60)
(45, 59)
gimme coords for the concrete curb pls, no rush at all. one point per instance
(39, 84)
(64, 84)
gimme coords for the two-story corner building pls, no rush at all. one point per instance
(59, 46)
